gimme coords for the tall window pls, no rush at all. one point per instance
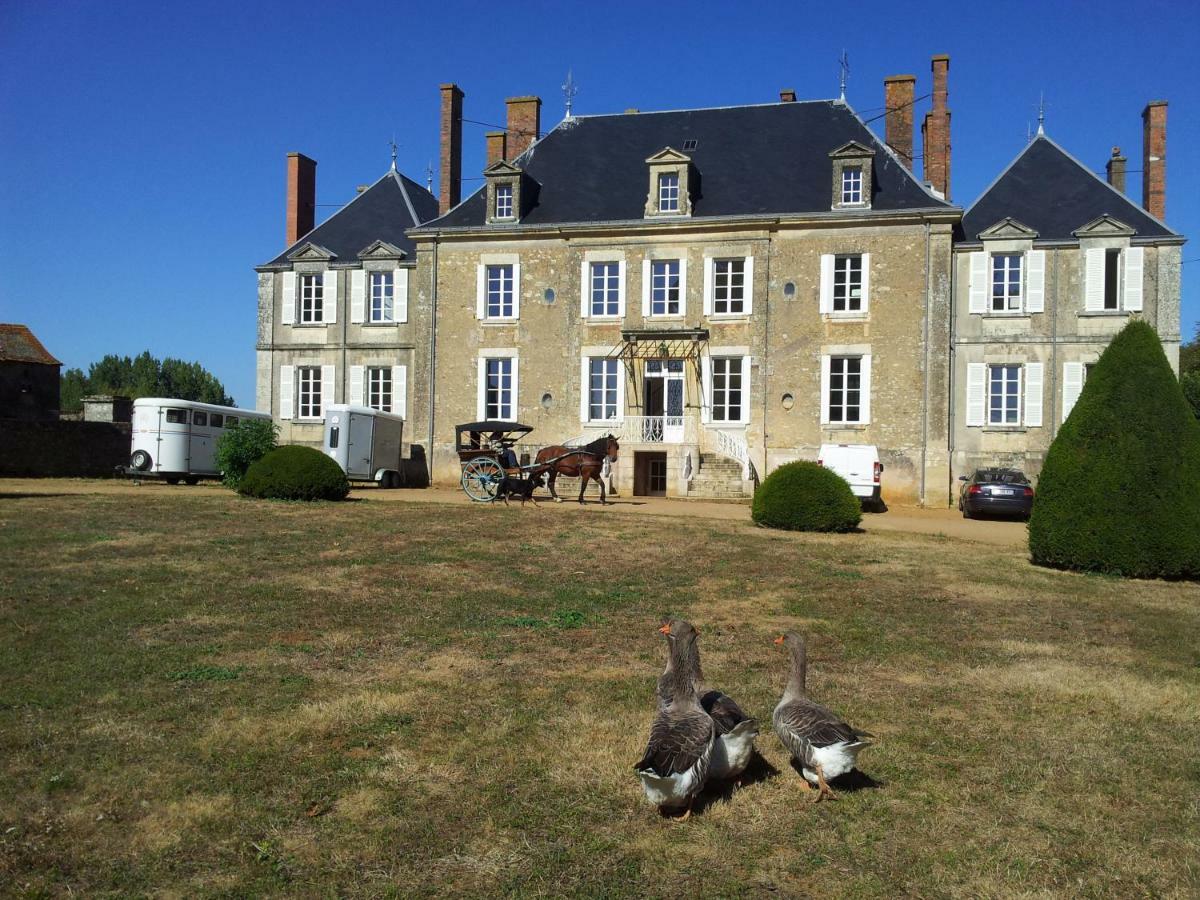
(309, 378)
(312, 301)
(1112, 279)
(1006, 282)
(664, 287)
(382, 296)
(852, 184)
(379, 388)
(668, 192)
(498, 397)
(845, 389)
(847, 283)
(727, 389)
(1004, 395)
(602, 389)
(729, 286)
(504, 201)
(606, 289)
(500, 291)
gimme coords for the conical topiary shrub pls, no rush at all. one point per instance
(1120, 488)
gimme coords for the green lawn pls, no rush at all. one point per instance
(202, 695)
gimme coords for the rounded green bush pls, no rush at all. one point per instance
(803, 496)
(1118, 491)
(295, 473)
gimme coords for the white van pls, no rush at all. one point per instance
(859, 465)
(176, 439)
(365, 442)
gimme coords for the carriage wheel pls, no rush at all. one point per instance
(481, 478)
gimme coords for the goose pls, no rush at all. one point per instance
(818, 740)
(674, 767)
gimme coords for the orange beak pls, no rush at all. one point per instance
(665, 629)
(779, 640)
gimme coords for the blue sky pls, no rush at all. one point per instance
(142, 144)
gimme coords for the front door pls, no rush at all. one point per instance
(664, 400)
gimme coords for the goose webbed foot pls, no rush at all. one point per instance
(824, 790)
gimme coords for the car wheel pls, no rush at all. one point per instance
(172, 479)
(191, 480)
(966, 512)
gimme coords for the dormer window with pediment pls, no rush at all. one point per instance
(852, 176)
(669, 193)
(1113, 269)
(1007, 277)
(309, 293)
(504, 201)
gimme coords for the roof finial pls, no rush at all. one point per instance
(392, 144)
(429, 176)
(1041, 113)
(569, 89)
(844, 62)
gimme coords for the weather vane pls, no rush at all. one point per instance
(569, 89)
(1041, 113)
(429, 177)
(392, 144)
(845, 66)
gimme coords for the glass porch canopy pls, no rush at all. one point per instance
(659, 344)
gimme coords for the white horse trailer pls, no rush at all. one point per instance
(365, 442)
(176, 439)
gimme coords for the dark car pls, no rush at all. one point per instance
(995, 492)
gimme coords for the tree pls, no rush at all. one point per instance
(1118, 491)
(72, 390)
(1189, 371)
(143, 376)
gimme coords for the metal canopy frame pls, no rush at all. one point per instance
(636, 345)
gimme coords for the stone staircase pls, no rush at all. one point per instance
(718, 478)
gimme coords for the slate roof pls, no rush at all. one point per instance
(383, 212)
(771, 159)
(17, 344)
(1055, 194)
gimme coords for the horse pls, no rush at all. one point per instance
(584, 463)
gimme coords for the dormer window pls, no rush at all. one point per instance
(668, 192)
(504, 201)
(852, 176)
(505, 183)
(852, 185)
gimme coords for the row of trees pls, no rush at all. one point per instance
(142, 376)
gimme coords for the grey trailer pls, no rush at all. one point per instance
(365, 442)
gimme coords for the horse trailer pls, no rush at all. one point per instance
(365, 442)
(176, 440)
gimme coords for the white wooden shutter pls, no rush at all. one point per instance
(824, 389)
(329, 296)
(400, 391)
(1132, 293)
(683, 287)
(864, 393)
(400, 297)
(1072, 386)
(826, 295)
(1035, 281)
(358, 295)
(481, 390)
(706, 382)
(287, 391)
(645, 288)
(977, 295)
(289, 298)
(748, 286)
(621, 289)
(976, 394)
(357, 386)
(584, 386)
(585, 289)
(1093, 280)
(709, 264)
(745, 410)
(1033, 394)
(327, 395)
(480, 293)
(516, 391)
(516, 304)
(866, 283)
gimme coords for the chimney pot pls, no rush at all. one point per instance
(935, 130)
(787, 95)
(524, 123)
(1154, 158)
(1115, 169)
(898, 94)
(497, 142)
(301, 197)
(450, 178)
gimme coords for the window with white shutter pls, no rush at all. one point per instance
(400, 280)
(1035, 285)
(330, 292)
(400, 390)
(287, 391)
(1073, 375)
(1093, 279)
(979, 282)
(825, 305)
(356, 386)
(1131, 298)
(327, 389)
(288, 316)
(976, 394)
(357, 295)
(1033, 395)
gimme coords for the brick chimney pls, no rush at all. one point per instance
(301, 196)
(497, 142)
(787, 95)
(1115, 169)
(524, 123)
(1154, 158)
(450, 178)
(898, 94)
(935, 131)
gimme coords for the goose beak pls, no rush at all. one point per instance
(779, 640)
(665, 628)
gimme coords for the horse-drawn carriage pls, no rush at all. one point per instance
(486, 454)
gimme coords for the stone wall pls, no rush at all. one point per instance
(62, 449)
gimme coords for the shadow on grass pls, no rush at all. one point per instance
(17, 495)
(757, 771)
(853, 781)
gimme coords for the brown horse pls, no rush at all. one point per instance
(584, 463)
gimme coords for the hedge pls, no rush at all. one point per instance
(295, 473)
(804, 496)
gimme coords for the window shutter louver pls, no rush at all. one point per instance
(824, 389)
(866, 283)
(584, 388)
(864, 383)
(1035, 283)
(480, 293)
(515, 412)
(683, 287)
(400, 391)
(1132, 288)
(585, 289)
(287, 391)
(400, 298)
(826, 289)
(516, 289)
(706, 386)
(329, 296)
(358, 295)
(709, 263)
(481, 390)
(288, 316)
(621, 289)
(358, 394)
(1033, 394)
(327, 393)
(1072, 386)
(1093, 280)
(745, 410)
(645, 288)
(977, 293)
(748, 289)
(976, 394)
